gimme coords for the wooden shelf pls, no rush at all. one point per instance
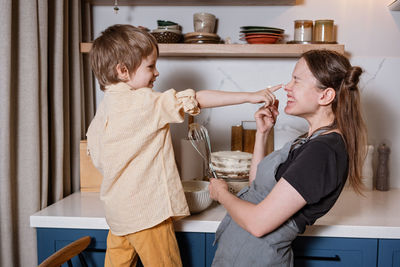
(235, 50)
(194, 2)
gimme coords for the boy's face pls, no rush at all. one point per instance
(146, 73)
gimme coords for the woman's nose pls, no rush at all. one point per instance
(286, 87)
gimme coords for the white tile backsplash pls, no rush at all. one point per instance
(369, 31)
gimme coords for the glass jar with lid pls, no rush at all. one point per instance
(323, 31)
(303, 30)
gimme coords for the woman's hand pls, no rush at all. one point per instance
(217, 187)
(265, 95)
(266, 117)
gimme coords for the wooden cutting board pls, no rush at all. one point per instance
(91, 178)
(243, 139)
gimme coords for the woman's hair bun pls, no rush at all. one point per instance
(352, 77)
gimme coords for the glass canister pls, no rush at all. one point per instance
(323, 31)
(303, 30)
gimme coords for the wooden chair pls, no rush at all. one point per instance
(67, 253)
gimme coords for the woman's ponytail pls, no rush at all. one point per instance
(347, 110)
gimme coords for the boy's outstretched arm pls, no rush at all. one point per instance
(213, 98)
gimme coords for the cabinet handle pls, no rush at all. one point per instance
(318, 258)
(95, 250)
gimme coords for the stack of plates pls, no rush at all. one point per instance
(201, 38)
(260, 34)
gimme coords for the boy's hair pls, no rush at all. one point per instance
(119, 44)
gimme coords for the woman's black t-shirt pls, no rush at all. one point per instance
(318, 171)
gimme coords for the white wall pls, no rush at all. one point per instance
(367, 28)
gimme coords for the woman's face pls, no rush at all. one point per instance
(302, 92)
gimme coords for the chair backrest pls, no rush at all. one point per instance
(67, 253)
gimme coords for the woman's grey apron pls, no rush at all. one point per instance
(236, 246)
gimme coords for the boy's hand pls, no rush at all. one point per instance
(266, 117)
(266, 95)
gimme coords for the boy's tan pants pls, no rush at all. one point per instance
(155, 246)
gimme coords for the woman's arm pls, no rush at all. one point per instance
(259, 219)
(259, 153)
(265, 119)
(213, 98)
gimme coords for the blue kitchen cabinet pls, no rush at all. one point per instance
(210, 248)
(389, 253)
(197, 249)
(326, 251)
(193, 250)
(330, 251)
(49, 240)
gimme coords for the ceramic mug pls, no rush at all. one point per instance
(204, 22)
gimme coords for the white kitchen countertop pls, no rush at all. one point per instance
(377, 215)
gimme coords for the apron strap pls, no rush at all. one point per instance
(302, 139)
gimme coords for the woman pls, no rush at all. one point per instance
(294, 186)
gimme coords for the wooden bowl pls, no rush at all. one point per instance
(167, 36)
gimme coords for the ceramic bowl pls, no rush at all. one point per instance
(201, 37)
(262, 40)
(167, 36)
(249, 29)
(169, 27)
(197, 195)
(165, 23)
(167, 30)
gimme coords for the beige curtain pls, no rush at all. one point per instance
(45, 107)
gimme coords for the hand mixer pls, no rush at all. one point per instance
(198, 132)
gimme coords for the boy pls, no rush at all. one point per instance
(130, 143)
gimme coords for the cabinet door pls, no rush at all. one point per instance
(49, 240)
(210, 248)
(192, 248)
(327, 251)
(389, 253)
(192, 245)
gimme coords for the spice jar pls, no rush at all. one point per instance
(303, 30)
(323, 31)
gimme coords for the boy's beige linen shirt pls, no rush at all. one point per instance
(129, 141)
